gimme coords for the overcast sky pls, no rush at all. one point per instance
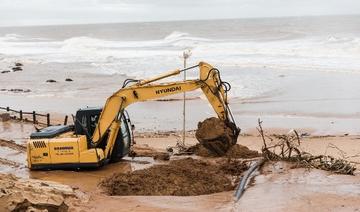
(49, 12)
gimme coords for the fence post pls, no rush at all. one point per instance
(21, 115)
(48, 119)
(65, 121)
(34, 117)
(7, 109)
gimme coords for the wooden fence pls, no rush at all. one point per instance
(20, 115)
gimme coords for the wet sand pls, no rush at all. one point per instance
(280, 189)
(276, 188)
(323, 110)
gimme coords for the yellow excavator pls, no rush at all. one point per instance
(103, 135)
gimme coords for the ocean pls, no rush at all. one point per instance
(292, 68)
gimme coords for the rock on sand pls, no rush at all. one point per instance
(32, 195)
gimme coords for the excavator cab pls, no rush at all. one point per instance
(86, 120)
(79, 135)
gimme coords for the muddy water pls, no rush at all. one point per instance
(14, 161)
(13, 155)
(280, 188)
(16, 131)
(87, 180)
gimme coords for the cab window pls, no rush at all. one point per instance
(93, 122)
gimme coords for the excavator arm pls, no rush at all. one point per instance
(59, 147)
(209, 82)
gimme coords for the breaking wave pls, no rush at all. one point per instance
(330, 52)
(148, 57)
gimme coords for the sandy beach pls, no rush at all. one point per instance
(274, 187)
(292, 73)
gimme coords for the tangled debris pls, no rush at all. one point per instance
(287, 148)
(184, 177)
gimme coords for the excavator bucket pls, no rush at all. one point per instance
(216, 135)
(217, 147)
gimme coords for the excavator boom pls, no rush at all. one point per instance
(209, 82)
(109, 140)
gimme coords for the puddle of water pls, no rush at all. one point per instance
(13, 155)
(16, 131)
(87, 180)
(282, 189)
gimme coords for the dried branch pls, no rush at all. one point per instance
(287, 149)
(261, 131)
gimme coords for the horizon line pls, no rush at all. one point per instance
(166, 21)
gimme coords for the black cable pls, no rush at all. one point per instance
(221, 84)
(127, 81)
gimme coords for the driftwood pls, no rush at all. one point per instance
(286, 147)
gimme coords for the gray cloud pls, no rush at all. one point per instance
(40, 12)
